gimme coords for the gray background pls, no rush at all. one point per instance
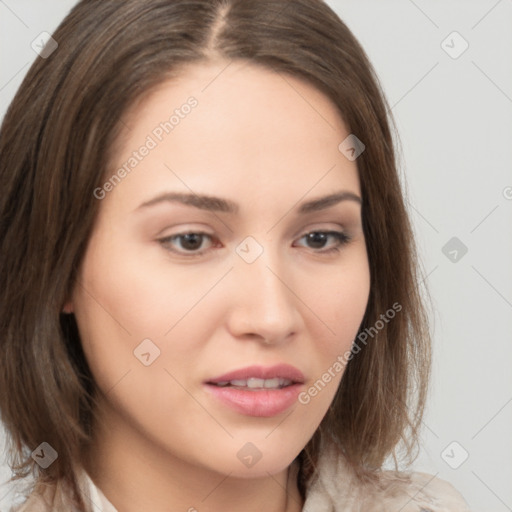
(454, 117)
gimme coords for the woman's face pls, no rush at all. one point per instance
(162, 313)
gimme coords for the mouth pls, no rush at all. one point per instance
(257, 390)
(260, 377)
(254, 384)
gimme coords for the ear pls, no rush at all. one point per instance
(68, 307)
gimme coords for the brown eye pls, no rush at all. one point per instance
(317, 240)
(191, 241)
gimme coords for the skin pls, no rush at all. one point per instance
(267, 142)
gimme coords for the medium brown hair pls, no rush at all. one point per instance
(56, 143)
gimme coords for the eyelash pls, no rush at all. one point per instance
(342, 238)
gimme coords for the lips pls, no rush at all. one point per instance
(257, 390)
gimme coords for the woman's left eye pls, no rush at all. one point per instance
(192, 241)
(320, 238)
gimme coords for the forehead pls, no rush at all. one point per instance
(251, 130)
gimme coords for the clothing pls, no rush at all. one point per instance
(333, 489)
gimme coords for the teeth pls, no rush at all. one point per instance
(270, 383)
(254, 383)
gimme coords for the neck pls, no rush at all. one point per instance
(135, 475)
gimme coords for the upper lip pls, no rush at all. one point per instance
(284, 371)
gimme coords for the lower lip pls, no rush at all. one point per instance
(263, 403)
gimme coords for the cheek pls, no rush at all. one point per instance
(137, 288)
(120, 302)
(341, 301)
(342, 304)
(118, 309)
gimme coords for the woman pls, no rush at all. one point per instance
(209, 283)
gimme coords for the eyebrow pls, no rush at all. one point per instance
(218, 204)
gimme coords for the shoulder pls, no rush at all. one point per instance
(47, 497)
(335, 484)
(416, 492)
(439, 491)
(39, 500)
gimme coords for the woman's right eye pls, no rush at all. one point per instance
(189, 242)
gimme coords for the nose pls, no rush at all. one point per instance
(263, 305)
